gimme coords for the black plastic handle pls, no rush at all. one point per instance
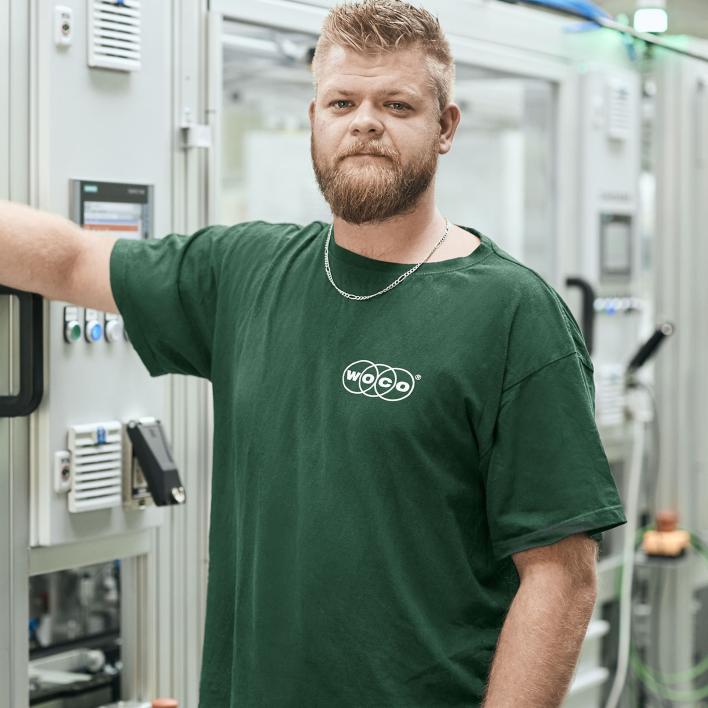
(31, 356)
(588, 305)
(649, 348)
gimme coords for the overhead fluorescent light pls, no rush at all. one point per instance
(651, 16)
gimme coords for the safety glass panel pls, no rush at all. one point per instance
(499, 175)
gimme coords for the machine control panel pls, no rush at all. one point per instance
(85, 461)
(123, 210)
(92, 326)
(113, 208)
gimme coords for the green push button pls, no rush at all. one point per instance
(72, 332)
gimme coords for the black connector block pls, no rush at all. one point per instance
(153, 454)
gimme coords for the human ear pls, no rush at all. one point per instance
(311, 112)
(449, 120)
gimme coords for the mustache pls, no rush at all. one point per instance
(367, 150)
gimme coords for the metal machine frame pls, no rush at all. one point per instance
(158, 562)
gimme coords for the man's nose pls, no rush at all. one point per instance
(366, 122)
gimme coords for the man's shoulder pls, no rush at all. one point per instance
(514, 286)
(272, 229)
(537, 311)
(514, 274)
(259, 240)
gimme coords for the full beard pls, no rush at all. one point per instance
(365, 190)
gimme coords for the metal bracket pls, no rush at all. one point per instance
(195, 135)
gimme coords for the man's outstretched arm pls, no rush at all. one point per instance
(47, 254)
(540, 641)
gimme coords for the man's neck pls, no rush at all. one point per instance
(406, 239)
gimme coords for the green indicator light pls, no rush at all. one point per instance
(75, 333)
(91, 188)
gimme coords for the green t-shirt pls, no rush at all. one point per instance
(376, 462)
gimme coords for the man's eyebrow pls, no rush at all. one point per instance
(391, 92)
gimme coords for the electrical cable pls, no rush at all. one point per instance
(596, 15)
(639, 418)
(632, 512)
(662, 579)
(642, 594)
(655, 602)
(656, 447)
(578, 8)
(657, 681)
(653, 483)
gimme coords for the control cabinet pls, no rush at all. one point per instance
(87, 481)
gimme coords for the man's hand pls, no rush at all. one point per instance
(543, 632)
(49, 255)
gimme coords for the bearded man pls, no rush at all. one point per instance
(408, 483)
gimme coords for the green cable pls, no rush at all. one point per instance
(655, 680)
(645, 676)
(678, 677)
(638, 542)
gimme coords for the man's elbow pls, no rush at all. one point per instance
(588, 574)
(570, 563)
(587, 591)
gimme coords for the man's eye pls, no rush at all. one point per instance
(398, 106)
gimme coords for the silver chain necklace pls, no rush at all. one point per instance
(398, 280)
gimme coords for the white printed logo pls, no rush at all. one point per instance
(389, 383)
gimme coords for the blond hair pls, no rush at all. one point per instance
(383, 26)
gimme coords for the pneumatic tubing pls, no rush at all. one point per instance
(628, 555)
(586, 10)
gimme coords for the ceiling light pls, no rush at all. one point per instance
(651, 16)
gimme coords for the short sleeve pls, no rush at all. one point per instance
(548, 476)
(166, 291)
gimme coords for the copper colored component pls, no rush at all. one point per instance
(164, 703)
(669, 544)
(666, 520)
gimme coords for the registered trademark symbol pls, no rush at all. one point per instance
(418, 377)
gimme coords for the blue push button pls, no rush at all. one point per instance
(94, 331)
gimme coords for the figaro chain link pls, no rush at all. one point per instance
(398, 280)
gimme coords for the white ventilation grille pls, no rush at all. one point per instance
(96, 466)
(114, 34)
(619, 109)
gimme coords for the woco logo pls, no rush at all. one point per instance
(390, 383)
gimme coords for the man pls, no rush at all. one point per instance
(406, 464)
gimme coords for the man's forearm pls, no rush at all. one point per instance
(37, 249)
(540, 642)
(47, 254)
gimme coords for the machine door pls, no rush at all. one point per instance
(21, 354)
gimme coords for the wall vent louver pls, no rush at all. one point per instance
(114, 34)
(619, 110)
(96, 466)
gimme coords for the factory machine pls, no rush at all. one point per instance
(103, 490)
(140, 119)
